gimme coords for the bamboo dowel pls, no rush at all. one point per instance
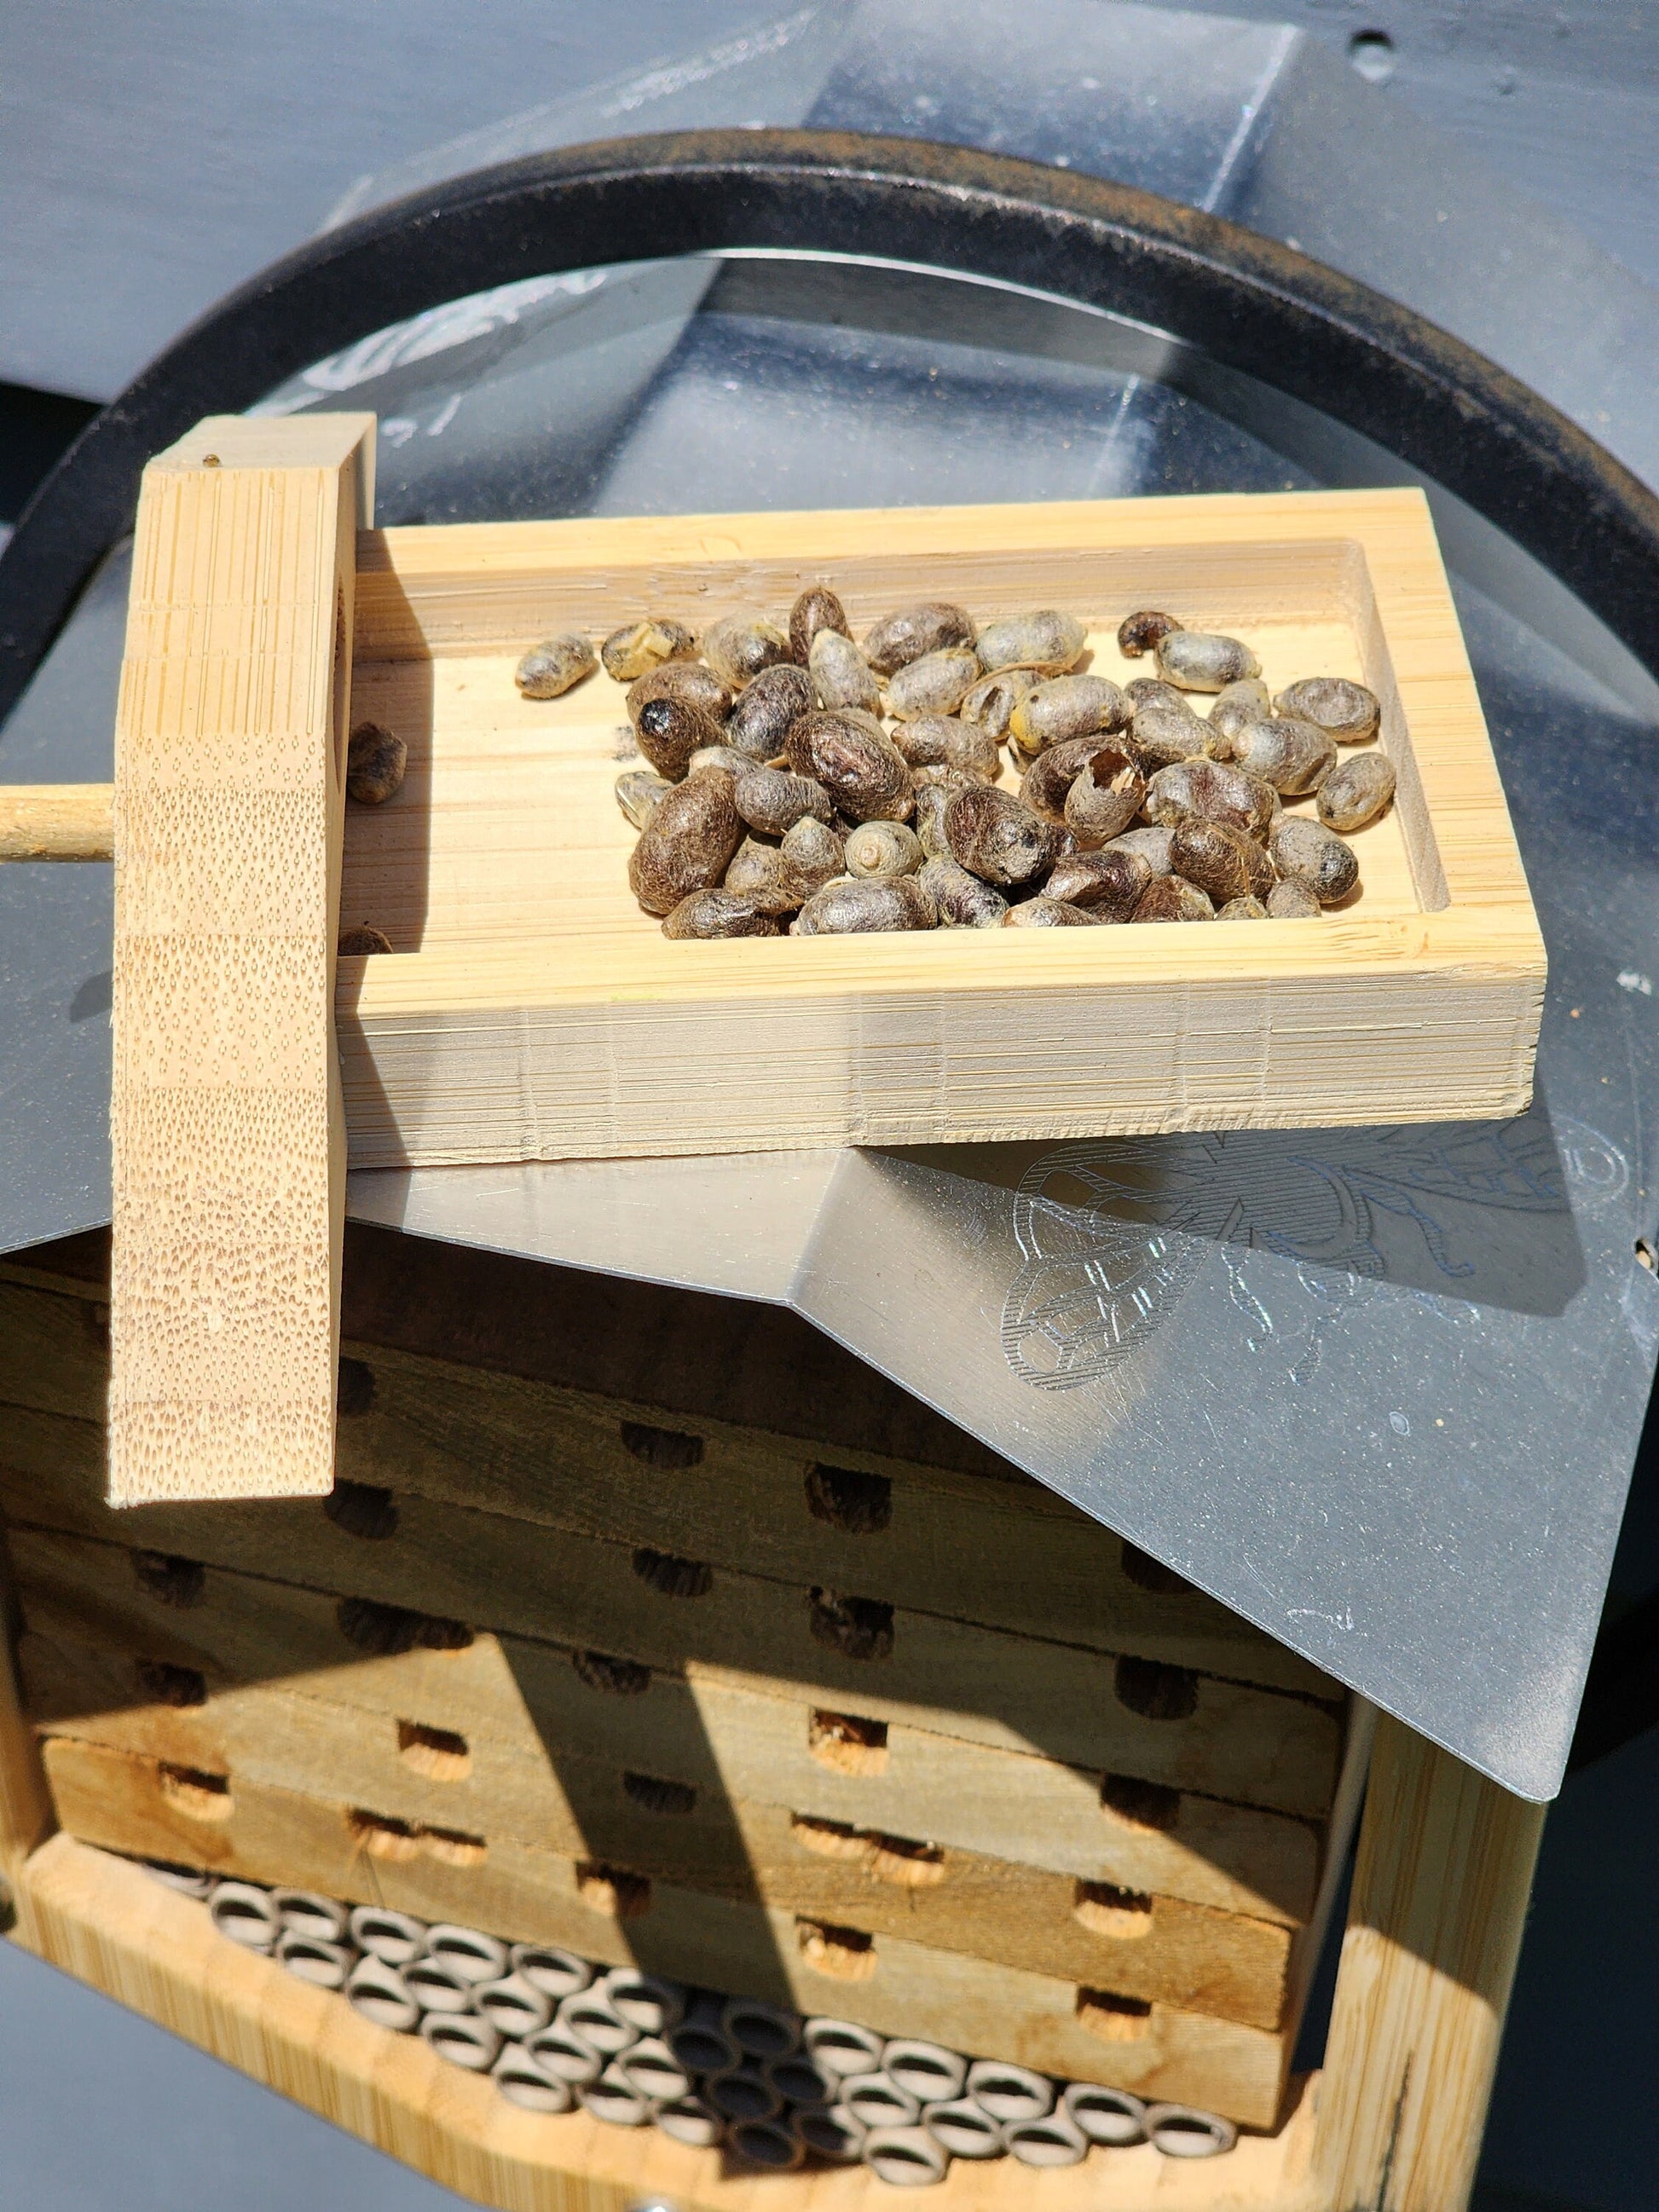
(57, 822)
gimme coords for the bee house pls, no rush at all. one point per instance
(652, 1627)
(603, 1742)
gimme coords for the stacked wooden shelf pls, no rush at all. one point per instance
(895, 1733)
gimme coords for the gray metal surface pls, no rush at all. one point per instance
(739, 1224)
(1255, 119)
(193, 140)
(158, 153)
(100, 2108)
(1378, 1392)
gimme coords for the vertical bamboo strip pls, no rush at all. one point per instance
(1440, 1893)
(227, 1123)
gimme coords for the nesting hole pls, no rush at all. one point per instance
(1155, 1691)
(849, 1499)
(845, 1954)
(164, 1684)
(382, 1836)
(666, 1447)
(196, 1794)
(1152, 1805)
(908, 2163)
(1150, 1574)
(653, 1793)
(671, 1576)
(1112, 2018)
(611, 1890)
(1123, 1915)
(616, 1678)
(830, 1839)
(353, 1388)
(361, 1509)
(387, 1631)
(848, 1743)
(857, 1627)
(170, 1579)
(899, 1860)
(438, 1753)
(1195, 2129)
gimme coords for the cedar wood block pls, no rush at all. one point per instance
(1257, 1747)
(1204, 1961)
(1435, 1926)
(1009, 1555)
(720, 1734)
(728, 1360)
(116, 1800)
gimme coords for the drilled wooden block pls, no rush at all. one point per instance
(1005, 1554)
(1163, 1724)
(105, 1921)
(707, 1835)
(708, 1728)
(892, 1983)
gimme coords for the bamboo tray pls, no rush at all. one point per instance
(533, 1011)
(529, 1010)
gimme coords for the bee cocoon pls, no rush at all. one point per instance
(916, 632)
(550, 669)
(637, 647)
(816, 609)
(1196, 660)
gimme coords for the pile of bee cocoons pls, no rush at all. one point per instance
(798, 780)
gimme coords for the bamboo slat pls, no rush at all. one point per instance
(227, 1128)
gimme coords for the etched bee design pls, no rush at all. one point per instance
(1112, 1234)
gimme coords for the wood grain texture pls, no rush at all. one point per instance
(711, 1838)
(728, 1360)
(1007, 1554)
(57, 821)
(1440, 1891)
(133, 1805)
(860, 1651)
(711, 1729)
(227, 1128)
(485, 1042)
(25, 1813)
(158, 1953)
